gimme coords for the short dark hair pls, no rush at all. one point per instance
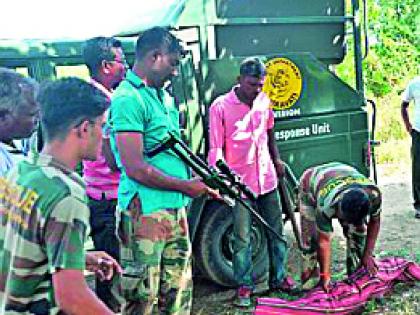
(157, 38)
(66, 102)
(13, 85)
(97, 49)
(253, 67)
(354, 205)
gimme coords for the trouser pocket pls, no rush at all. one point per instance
(128, 220)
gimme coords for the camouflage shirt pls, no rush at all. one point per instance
(44, 224)
(320, 185)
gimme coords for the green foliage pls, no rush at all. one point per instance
(391, 63)
(394, 35)
(389, 121)
(394, 58)
(395, 55)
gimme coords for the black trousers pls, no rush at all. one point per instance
(415, 157)
(102, 222)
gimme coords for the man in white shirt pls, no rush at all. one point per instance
(412, 93)
(18, 114)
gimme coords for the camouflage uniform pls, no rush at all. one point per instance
(319, 187)
(161, 242)
(156, 250)
(44, 224)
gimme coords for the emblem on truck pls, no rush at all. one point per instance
(283, 83)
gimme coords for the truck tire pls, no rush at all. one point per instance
(213, 248)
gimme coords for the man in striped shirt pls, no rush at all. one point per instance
(337, 190)
(107, 65)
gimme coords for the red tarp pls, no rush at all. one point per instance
(348, 296)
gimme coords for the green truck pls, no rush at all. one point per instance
(319, 118)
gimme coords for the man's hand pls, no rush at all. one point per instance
(195, 188)
(405, 116)
(370, 264)
(102, 264)
(280, 169)
(325, 283)
(408, 127)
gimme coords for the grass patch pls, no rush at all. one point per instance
(395, 141)
(394, 152)
(404, 300)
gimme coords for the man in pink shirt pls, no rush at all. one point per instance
(107, 65)
(241, 133)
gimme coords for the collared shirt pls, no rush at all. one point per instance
(320, 185)
(152, 112)
(238, 135)
(412, 92)
(7, 158)
(44, 223)
(100, 179)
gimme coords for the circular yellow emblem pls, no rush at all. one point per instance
(283, 83)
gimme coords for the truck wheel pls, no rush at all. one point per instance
(213, 246)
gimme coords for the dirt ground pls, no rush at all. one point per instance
(399, 236)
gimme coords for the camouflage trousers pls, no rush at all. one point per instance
(156, 258)
(355, 241)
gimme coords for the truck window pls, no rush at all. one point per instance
(22, 70)
(80, 71)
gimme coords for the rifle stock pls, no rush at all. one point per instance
(290, 212)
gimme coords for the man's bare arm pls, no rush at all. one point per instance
(324, 257)
(130, 148)
(109, 156)
(274, 153)
(73, 295)
(372, 235)
(405, 116)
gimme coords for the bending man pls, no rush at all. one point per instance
(336, 190)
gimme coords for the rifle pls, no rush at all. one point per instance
(290, 210)
(226, 182)
(233, 191)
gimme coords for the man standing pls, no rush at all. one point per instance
(43, 212)
(153, 192)
(336, 190)
(18, 113)
(241, 133)
(412, 93)
(107, 65)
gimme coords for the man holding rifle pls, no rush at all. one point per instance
(153, 191)
(241, 133)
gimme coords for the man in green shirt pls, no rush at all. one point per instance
(153, 192)
(336, 190)
(44, 218)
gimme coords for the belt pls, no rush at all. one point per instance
(103, 196)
